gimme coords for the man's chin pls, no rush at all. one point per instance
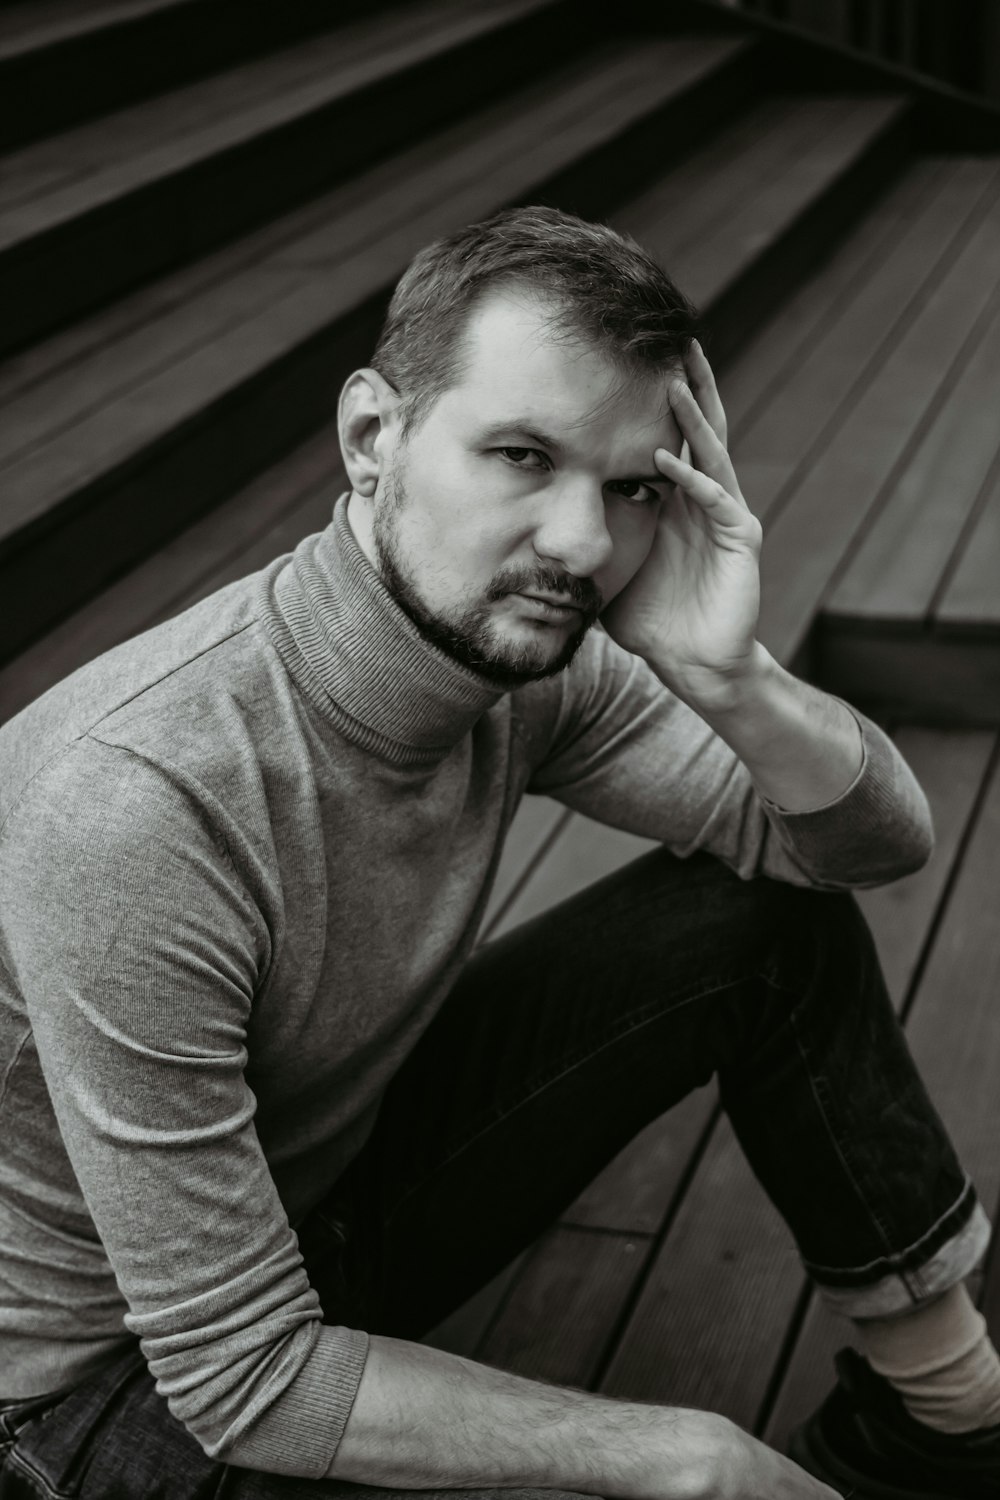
(513, 663)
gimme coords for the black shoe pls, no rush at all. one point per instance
(864, 1443)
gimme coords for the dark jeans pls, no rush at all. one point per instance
(559, 1043)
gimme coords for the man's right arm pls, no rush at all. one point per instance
(425, 1419)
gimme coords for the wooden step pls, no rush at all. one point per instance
(86, 215)
(105, 457)
(969, 599)
(914, 624)
(766, 199)
(896, 571)
(881, 398)
(63, 61)
(953, 1029)
(694, 1300)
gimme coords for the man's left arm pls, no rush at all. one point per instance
(691, 613)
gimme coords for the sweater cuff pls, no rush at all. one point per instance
(878, 829)
(301, 1432)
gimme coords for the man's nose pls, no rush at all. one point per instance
(572, 533)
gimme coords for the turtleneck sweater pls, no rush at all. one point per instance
(243, 858)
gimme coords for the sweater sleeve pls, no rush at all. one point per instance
(625, 751)
(138, 951)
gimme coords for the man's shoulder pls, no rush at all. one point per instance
(154, 694)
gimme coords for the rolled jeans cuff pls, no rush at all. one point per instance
(896, 1283)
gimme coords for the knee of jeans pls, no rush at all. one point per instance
(827, 947)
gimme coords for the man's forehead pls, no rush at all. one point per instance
(521, 368)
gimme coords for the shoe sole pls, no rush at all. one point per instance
(815, 1457)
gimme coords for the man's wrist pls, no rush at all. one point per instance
(803, 749)
(717, 693)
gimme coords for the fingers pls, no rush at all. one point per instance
(701, 379)
(725, 510)
(708, 451)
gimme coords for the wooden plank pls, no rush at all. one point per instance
(258, 523)
(537, 822)
(570, 1293)
(169, 135)
(183, 196)
(951, 767)
(635, 1191)
(942, 677)
(60, 409)
(41, 23)
(757, 219)
(894, 574)
(64, 63)
(737, 159)
(761, 370)
(705, 1330)
(808, 541)
(584, 852)
(971, 597)
(819, 391)
(463, 1331)
(109, 440)
(954, 1029)
(719, 1350)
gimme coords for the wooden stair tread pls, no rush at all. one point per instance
(951, 766)
(345, 214)
(779, 439)
(825, 512)
(741, 192)
(570, 1292)
(970, 599)
(41, 23)
(710, 1310)
(702, 1332)
(896, 571)
(260, 522)
(391, 227)
(135, 147)
(759, 376)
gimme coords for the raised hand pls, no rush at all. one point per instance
(692, 609)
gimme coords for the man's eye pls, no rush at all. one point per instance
(524, 458)
(636, 491)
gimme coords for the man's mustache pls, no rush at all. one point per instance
(583, 592)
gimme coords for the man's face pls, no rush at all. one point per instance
(526, 498)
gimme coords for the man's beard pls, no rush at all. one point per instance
(471, 636)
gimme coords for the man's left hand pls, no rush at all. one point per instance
(691, 610)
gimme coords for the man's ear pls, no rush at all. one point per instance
(367, 419)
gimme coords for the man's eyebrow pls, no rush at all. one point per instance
(521, 427)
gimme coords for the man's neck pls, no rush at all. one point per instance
(361, 519)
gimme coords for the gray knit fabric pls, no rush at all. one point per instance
(242, 859)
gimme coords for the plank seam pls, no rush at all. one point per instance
(918, 435)
(965, 534)
(772, 1390)
(991, 769)
(653, 1248)
(895, 336)
(533, 864)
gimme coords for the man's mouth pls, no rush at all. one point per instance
(558, 610)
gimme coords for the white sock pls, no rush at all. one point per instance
(940, 1359)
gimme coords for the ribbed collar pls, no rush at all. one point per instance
(361, 660)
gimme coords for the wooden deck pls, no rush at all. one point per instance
(672, 1278)
(850, 284)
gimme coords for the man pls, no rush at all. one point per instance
(244, 861)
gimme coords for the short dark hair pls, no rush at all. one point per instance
(602, 285)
